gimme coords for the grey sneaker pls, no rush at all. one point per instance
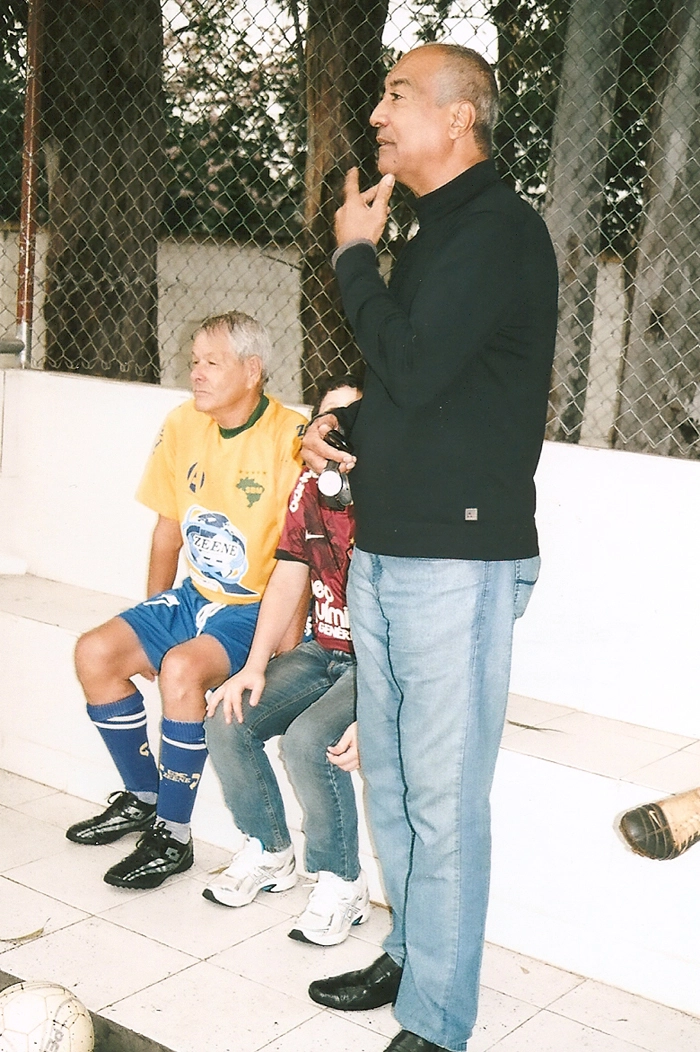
(252, 870)
(334, 906)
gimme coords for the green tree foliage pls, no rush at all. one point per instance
(530, 50)
(641, 69)
(431, 19)
(235, 124)
(13, 15)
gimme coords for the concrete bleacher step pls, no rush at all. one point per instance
(40, 621)
(565, 888)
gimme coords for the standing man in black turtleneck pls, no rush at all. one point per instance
(446, 440)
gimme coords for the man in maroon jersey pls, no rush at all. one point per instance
(308, 696)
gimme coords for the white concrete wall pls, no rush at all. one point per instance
(200, 278)
(613, 626)
(73, 449)
(566, 890)
(9, 262)
(607, 350)
(195, 279)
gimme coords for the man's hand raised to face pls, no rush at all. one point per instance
(363, 215)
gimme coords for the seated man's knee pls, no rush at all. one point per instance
(303, 744)
(215, 733)
(107, 657)
(185, 676)
(187, 672)
(224, 738)
(93, 653)
(177, 674)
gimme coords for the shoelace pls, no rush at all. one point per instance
(325, 898)
(116, 800)
(123, 802)
(246, 862)
(153, 837)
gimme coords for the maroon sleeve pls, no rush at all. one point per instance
(292, 544)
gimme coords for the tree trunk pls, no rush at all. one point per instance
(343, 73)
(103, 136)
(575, 200)
(661, 377)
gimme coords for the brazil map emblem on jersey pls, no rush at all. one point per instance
(253, 490)
(216, 550)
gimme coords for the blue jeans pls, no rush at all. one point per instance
(433, 640)
(309, 697)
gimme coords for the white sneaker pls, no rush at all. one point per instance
(334, 906)
(252, 870)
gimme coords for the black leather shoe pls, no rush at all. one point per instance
(125, 814)
(405, 1041)
(158, 855)
(369, 987)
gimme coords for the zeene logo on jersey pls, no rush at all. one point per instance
(216, 551)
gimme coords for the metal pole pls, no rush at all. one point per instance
(30, 170)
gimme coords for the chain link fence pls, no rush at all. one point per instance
(190, 154)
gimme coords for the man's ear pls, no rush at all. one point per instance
(463, 119)
(254, 369)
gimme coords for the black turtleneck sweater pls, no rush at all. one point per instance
(459, 350)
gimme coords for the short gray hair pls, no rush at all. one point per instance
(467, 76)
(249, 339)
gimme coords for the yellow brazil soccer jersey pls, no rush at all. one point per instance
(229, 494)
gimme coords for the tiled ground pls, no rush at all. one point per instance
(669, 763)
(200, 978)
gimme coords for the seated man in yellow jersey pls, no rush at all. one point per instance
(219, 478)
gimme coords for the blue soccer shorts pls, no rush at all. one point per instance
(180, 614)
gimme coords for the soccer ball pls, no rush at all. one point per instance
(43, 1017)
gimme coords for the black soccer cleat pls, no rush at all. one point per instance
(664, 829)
(157, 856)
(125, 814)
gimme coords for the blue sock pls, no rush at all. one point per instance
(122, 725)
(183, 753)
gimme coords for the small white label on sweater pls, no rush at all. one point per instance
(471, 514)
